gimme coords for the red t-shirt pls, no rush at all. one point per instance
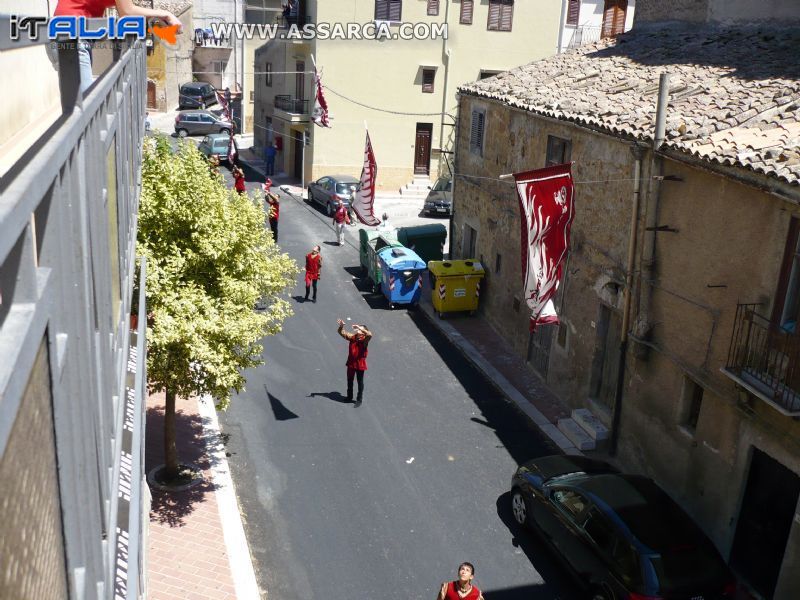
(82, 8)
(340, 216)
(313, 264)
(275, 208)
(239, 184)
(357, 354)
(452, 593)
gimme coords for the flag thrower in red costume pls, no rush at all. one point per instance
(546, 209)
(364, 199)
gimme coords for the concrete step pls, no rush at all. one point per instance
(576, 434)
(590, 424)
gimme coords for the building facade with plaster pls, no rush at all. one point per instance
(680, 296)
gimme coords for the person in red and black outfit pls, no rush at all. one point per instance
(461, 588)
(273, 212)
(238, 184)
(356, 358)
(313, 268)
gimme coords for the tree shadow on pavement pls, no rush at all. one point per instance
(171, 507)
(558, 582)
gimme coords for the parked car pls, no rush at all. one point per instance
(327, 191)
(216, 144)
(196, 95)
(621, 535)
(194, 122)
(440, 198)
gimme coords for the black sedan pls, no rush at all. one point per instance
(621, 535)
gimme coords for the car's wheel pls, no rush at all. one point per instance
(519, 507)
(329, 209)
(311, 197)
(225, 130)
(182, 133)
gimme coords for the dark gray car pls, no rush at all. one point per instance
(327, 191)
(200, 122)
(196, 95)
(440, 198)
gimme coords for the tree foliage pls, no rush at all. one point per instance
(210, 260)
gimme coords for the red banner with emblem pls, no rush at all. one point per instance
(363, 200)
(546, 205)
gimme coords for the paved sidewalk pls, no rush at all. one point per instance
(196, 545)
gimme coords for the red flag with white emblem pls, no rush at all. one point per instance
(546, 205)
(364, 199)
(320, 114)
(222, 98)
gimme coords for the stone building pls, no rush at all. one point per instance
(683, 282)
(170, 67)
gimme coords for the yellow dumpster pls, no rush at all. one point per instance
(455, 285)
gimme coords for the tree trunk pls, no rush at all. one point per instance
(170, 447)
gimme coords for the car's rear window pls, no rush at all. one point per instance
(346, 188)
(689, 568)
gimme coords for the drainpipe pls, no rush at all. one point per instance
(626, 309)
(648, 251)
(561, 22)
(446, 59)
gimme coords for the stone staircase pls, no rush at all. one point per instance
(583, 429)
(417, 188)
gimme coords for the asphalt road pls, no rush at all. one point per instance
(383, 500)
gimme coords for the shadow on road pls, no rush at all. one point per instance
(335, 396)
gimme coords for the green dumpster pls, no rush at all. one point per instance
(375, 245)
(426, 240)
(364, 237)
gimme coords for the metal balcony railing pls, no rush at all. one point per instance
(296, 106)
(68, 223)
(765, 358)
(585, 35)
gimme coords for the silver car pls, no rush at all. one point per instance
(200, 122)
(327, 191)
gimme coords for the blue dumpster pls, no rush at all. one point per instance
(401, 275)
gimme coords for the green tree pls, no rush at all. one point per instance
(210, 260)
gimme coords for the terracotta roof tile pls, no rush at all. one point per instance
(735, 92)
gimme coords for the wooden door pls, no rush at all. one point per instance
(422, 149)
(614, 17)
(151, 94)
(300, 80)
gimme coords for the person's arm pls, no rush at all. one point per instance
(127, 8)
(342, 332)
(442, 592)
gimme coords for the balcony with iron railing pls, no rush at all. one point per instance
(586, 34)
(69, 195)
(294, 110)
(764, 358)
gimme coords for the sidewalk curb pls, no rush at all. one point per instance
(501, 383)
(241, 564)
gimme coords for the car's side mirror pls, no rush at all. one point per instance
(429, 187)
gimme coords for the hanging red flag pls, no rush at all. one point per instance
(224, 101)
(364, 199)
(320, 114)
(546, 209)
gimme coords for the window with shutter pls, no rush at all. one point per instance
(476, 132)
(573, 12)
(501, 13)
(614, 17)
(388, 10)
(466, 12)
(433, 8)
(428, 76)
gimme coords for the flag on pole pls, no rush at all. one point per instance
(224, 101)
(320, 114)
(546, 209)
(364, 199)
